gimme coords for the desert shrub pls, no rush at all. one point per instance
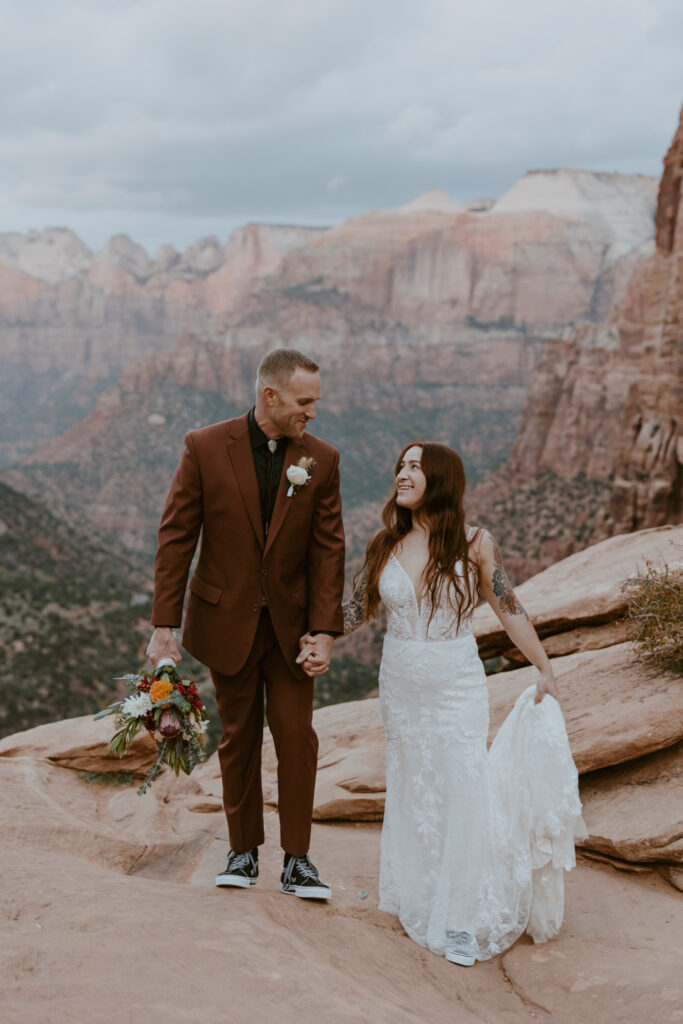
(656, 611)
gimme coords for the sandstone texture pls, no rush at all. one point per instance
(57, 805)
(81, 744)
(635, 811)
(649, 468)
(103, 890)
(615, 709)
(583, 592)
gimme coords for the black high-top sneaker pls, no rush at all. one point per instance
(241, 871)
(301, 878)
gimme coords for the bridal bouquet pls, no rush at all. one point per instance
(171, 710)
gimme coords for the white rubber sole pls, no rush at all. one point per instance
(235, 882)
(304, 892)
(462, 959)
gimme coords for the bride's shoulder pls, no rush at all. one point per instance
(478, 538)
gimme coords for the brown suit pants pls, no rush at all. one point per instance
(289, 707)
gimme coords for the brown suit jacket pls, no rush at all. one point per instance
(299, 567)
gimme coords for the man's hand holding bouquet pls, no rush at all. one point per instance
(170, 709)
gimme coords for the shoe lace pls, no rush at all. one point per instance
(240, 861)
(303, 866)
(459, 938)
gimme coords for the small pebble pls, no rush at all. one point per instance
(362, 895)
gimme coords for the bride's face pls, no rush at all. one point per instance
(410, 481)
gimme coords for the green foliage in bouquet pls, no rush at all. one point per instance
(656, 611)
(173, 713)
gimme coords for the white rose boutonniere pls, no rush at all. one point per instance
(299, 475)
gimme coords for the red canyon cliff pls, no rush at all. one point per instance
(555, 250)
(599, 450)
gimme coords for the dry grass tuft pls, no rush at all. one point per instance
(656, 611)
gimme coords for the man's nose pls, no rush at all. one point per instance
(310, 412)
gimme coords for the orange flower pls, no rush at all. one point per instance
(160, 690)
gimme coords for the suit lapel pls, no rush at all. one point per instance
(295, 450)
(242, 458)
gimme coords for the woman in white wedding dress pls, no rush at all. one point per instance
(474, 843)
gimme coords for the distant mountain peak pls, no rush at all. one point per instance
(51, 255)
(434, 200)
(568, 192)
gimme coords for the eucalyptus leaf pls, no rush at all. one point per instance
(180, 702)
(111, 710)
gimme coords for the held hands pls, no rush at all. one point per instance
(163, 645)
(546, 684)
(315, 654)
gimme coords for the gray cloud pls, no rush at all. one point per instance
(168, 120)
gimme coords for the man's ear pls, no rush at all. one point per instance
(270, 395)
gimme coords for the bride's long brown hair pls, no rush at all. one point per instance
(442, 511)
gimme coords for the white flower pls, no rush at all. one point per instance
(297, 476)
(137, 705)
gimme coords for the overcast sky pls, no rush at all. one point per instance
(172, 119)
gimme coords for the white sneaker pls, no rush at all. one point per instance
(461, 948)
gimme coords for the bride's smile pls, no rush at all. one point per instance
(410, 481)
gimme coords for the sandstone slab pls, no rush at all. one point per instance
(608, 963)
(584, 588)
(616, 709)
(55, 809)
(635, 811)
(584, 638)
(81, 744)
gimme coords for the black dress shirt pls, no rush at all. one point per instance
(268, 467)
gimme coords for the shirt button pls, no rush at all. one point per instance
(264, 572)
(255, 607)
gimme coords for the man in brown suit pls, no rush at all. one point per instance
(265, 497)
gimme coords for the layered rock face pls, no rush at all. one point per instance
(71, 320)
(599, 448)
(427, 322)
(554, 250)
(647, 486)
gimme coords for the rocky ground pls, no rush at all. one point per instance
(109, 907)
(109, 910)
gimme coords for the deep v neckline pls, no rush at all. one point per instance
(418, 603)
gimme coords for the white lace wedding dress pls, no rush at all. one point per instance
(472, 841)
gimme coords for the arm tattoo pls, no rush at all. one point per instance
(354, 609)
(502, 588)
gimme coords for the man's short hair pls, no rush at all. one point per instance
(277, 366)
